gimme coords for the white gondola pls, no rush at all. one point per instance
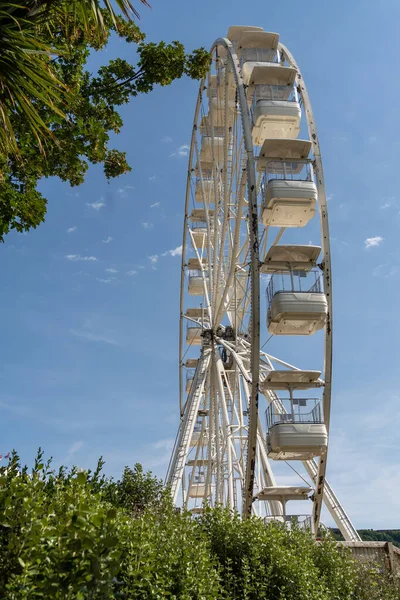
(275, 109)
(255, 49)
(297, 313)
(290, 194)
(294, 310)
(208, 189)
(199, 438)
(275, 119)
(213, 145)
(217, 99)
(197, 313)
(195, 285)
(193, 335)
(195, 278)
(199, 227)
(206, 185)
(197, 490)
(295, 429)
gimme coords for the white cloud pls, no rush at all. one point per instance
(182, 151)
(132, 272)
(152, 178)
(155, 204)
(107, 240)
(111, 270)
(373, 241)
(174, 252)
(76, 446)
(72, 229)
(153, 259)
(330, 197)
(96, 205)
(79, 257)
(147, 225)
(166, 139)
(140, 267)
(90, 336)
(123, 191)
(385, 271)
(109, 280)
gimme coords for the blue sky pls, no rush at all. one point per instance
(90, 315)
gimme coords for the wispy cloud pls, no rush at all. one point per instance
(166, 139)
(174, 252)
(112, 270)
(147, 225)
(388, 202)
(330, 197)
(152, 178)
(373, 242)
(181, 151)
(155, 205)
(91, 336)
(96, 205)
(74, 448)
(107, 240)
(131, 272)
(153, 259)
(123, 191)
(385, 271)
(72, 229)
(79, 257)
(108, 280)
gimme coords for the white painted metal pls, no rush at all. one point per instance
(222, 454)
(289, 203)
(282, 258)
(275, 119)
(296, 441)
(297, 313)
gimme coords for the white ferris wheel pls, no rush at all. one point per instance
(255, 183)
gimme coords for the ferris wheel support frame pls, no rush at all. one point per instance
(248, 491)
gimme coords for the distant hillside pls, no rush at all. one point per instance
(375, 535)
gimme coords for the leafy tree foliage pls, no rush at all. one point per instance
(57, 116)
(79, 535)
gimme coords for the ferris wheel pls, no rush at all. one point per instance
(249, 417)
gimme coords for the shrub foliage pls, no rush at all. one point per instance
(70, 534)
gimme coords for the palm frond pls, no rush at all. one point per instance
(27, 78)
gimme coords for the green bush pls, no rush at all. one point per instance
(79, 535)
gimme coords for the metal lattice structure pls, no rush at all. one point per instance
(255, 183)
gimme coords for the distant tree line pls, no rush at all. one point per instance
(374, 535)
